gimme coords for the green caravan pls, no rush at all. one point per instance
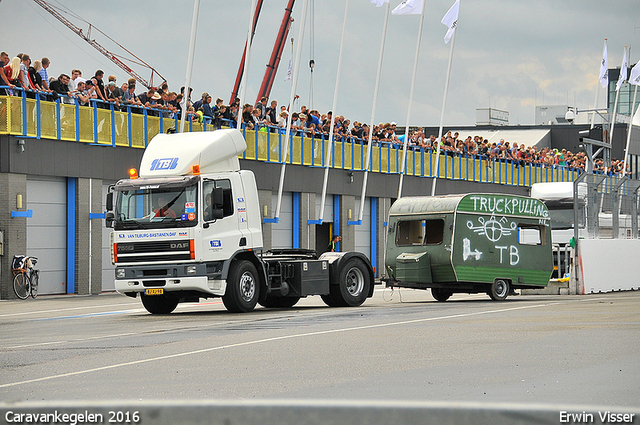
(473, 243)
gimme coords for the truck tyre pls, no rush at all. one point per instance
(279, 302)
(353, 284)
(243, 287)
(328, 300)
(499, 290)
(441, 295)
(159, 304)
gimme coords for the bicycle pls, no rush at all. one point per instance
(26, 278)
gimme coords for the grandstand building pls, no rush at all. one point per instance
(57, 161)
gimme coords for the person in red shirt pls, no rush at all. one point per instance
(163, 210)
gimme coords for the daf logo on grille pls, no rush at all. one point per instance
(180, 245)
(122, 248)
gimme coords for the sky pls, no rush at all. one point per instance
(510, 55)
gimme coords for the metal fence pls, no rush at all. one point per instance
(606, 207)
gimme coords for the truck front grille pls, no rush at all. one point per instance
(136, 252)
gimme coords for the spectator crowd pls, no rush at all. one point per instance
(21, 73)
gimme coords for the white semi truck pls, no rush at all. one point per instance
(188, 226)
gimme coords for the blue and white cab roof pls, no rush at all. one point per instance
(176, 154)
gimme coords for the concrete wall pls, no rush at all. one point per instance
(14, 229)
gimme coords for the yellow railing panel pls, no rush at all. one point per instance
(68, 122)
(121, 128)
(4, 115)
(15, 115)
(104, 126)
(48, 126)
(85, 118)
(294, 157)
(153, 127)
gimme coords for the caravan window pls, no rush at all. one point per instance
(531, 234)
(420, 232)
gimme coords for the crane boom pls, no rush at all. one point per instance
(111, 56)
(276, 54)
(236, 85)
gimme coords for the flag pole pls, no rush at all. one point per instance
(373, 113)
(444, 102)
(192, 47)
(294, 84)
(626, 149)
(615, 104)
(327, 159)
(413, 83)
(243, 90)
(595, 103)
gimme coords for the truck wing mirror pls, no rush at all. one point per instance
(217, 213)
(110, 201)
(109, 218)
(217, 198)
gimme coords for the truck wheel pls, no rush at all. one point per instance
(353, 284)
(279, 302)
(243, 287)
(499, 290)
(440, 294)
(159, 304)
(328, 300)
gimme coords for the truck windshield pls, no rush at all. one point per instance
(562, 217)
(155, 206)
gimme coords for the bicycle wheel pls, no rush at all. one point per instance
(34, 282)
(21, 286)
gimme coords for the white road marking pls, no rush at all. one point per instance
(24, 313)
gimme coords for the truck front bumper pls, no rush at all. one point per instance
(169, 277)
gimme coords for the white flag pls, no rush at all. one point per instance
(451, 20)
(379, 3)
(604, 68)
(634, 77)
(409, 7)
(623, 70)
(289, 70)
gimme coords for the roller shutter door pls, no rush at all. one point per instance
(282, 231)
(327, 217)
(363, 231)
(47, 231)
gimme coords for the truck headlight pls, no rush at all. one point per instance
(119, 273)
(190, 270)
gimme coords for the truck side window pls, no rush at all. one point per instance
(530, 234)
(227, 196)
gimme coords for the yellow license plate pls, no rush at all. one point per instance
(154, 291)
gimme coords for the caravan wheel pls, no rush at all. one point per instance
(499, 290)
(441, 295)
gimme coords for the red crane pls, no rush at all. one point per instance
(236, 85)
(111, 56)
(278, 47)
(274, 61)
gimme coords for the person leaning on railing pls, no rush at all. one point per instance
(11, 72)
(60, 86)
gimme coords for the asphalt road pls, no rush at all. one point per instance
(400, 346)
